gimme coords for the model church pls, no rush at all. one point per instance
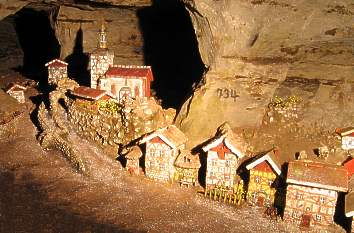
(123, 82)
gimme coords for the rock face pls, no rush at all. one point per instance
(260, 49)
(77, 32)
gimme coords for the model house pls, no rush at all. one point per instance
(222, 155)
(101, 58)
(347, 137)
(90, 94)
(264, 169)
(161, 150)
(187, 166)
(312, 191)
(16, 91)
(133, 157)
(127, 82)
(57, 70)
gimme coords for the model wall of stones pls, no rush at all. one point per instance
(120, 125)
(56, 73)
(99, 64)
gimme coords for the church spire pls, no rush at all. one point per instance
(102, 36)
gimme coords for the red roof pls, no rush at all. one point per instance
(130, 71)
(348, 131)
(88, 93)
(317, 174)
(349, 165)
(56, 63)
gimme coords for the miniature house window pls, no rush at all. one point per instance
(322, 200)
(228, 163)
(270, 182)
(299, 197)
(152, 152)
(213, 163)
(257, 179)
(294, 215)
(318, 218)
(211, 174)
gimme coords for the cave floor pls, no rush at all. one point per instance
(41, 192)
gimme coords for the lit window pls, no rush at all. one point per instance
(257, 179)
(318, 218)
(152, 152)
(298, 196)
(294, 214)
(270, 182)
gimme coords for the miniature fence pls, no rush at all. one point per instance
(235, 196)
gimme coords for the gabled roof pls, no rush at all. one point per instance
(345, 131)
(186, 160)
(224, 134)
(130, 72)
(135, 153)
(317, 175)
(171, 135)
(14, 87)
(56, 63)
(271, 156)
(349, 165)
(88, 93)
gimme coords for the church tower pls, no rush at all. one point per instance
(101, 58)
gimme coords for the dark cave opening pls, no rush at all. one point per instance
(37, 39)
(171, 48)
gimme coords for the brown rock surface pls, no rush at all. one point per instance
(265, 48)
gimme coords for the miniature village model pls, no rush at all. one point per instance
(118, 113)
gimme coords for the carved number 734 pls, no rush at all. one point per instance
(227, 93)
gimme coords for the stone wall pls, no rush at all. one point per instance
(121, 126)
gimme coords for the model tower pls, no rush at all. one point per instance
(101, 58)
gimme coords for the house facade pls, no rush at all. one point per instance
(312, 191)
(127, 82)
(101, 58)
(57, 70)
(264, 169)
(347, 137)
(186, 168)
(16, 91)
(161, 150)
(222, 159)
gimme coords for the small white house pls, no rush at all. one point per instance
(162, 147)
(16, 91)
(347, 136)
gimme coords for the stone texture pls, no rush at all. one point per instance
(123, 33)
(264, 48)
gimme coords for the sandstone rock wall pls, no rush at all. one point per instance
(123, 33)
(267, 48)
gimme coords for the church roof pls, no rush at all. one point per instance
(130, 71)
